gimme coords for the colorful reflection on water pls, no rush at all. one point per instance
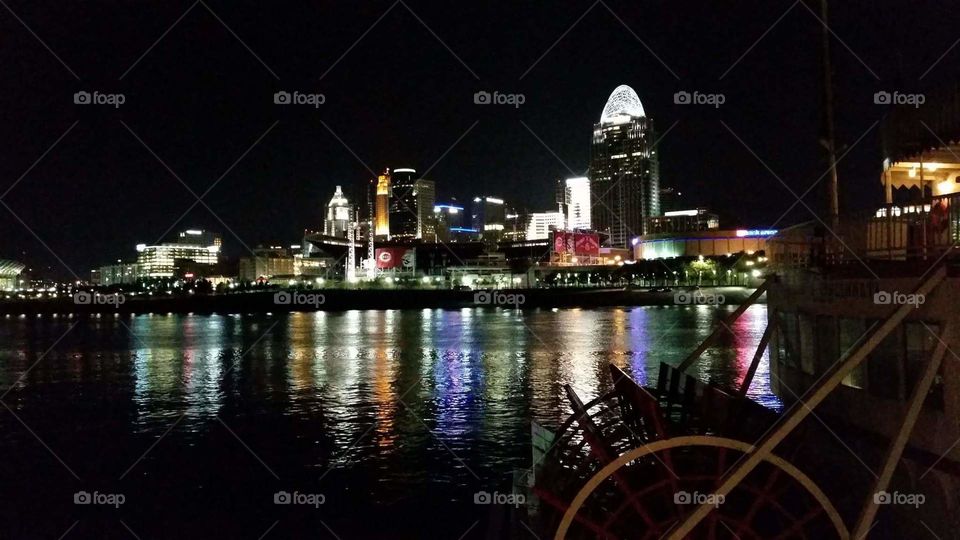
(393, 409)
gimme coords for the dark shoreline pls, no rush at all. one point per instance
(350, 299)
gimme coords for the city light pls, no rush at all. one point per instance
(755, 232)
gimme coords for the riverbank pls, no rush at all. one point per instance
(349, 299)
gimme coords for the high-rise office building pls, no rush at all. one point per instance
(425, 196)
(200, 237)
(403, 205)
(448, 221)
(573, 194)
(488, 216)
(411, 207)
(382, 208)
(540, 224)
(164, 260)
(624, 169)
(515, 228)
(339, 215)
(677, 221)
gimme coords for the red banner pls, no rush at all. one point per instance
(586, 243)
(559, 242)
(576, 243)
(389, 258)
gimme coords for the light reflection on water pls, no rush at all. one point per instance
(393, 401)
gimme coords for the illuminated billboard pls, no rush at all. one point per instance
(395, 257)
(576, 243)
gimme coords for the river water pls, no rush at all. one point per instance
(188, 426)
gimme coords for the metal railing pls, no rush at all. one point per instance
(925, 230)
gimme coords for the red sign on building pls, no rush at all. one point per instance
(394, 257)
(576, 243)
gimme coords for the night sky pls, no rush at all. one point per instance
(202, 97)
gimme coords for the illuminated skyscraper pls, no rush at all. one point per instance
(574, 196)
(411, 206)
(541, 223)
(403, 205)
(488, 217)
(382, 213)
(624, 169)
(165, 259)
(425, 194)
(339, 215)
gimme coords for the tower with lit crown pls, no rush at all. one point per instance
(624, 169)
(339, 215)
(382, 213)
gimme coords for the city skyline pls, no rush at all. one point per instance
(583, 269)
(122, 174)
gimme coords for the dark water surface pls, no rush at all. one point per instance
(396, 417)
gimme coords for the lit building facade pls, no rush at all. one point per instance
(10, 274)
(403, 203)
(573, 194)
(411, 206)
(448, 220)
(488, 216)
(119, 274)
(540, 224)
(265, 268)
(268, 263)
(516, 225)
(382, 210)
(624, 168)
(425, 195)
(339, 215)
(161, 260)
(699, 219)
(707, 243)
(199, 237)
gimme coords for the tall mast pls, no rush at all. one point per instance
(371, 250)
(833, 188)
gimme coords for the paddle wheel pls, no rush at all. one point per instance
(632, 463)
(674, 461)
